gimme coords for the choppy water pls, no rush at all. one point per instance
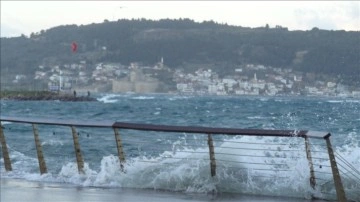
(163, 161)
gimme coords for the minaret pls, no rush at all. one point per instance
(162, 63)
(60, 82)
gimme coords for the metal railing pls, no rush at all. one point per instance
(220, 153)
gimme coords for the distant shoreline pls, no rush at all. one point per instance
(43, 95)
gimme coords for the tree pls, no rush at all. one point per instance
(315, 29)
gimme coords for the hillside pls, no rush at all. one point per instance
(182, 42)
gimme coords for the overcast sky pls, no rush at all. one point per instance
(25, 17)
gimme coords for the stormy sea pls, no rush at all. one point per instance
(164, 166)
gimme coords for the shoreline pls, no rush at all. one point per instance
(69, 96)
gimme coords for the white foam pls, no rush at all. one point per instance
(335, 101)
(187, 169)
(353, 101)
(109, 98)
(256, 117)
(179, 98)
(143, 98)
(52, 143)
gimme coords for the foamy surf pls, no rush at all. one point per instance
(110, 98)
(176, 170)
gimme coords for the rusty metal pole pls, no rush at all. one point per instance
(212, 156)
(5, 151)
(335, 171)
(42, 164)
(120, 149)
(79, 159)
(311, 166)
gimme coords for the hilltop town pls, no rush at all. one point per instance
(249, 79)
(185, 57)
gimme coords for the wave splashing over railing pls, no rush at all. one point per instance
(190, 159)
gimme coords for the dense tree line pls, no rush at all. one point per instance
(185, 41)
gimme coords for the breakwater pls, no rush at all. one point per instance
(43, 95)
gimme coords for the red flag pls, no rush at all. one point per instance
(74, 47)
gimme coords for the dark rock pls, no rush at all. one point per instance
(65, 98)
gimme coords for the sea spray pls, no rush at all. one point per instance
(179, 162)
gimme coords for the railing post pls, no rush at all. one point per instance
(5, 152)
(212, 156)
(79, 159)
(119, 149)
(42, 164)
(311, 166)
(335, 171)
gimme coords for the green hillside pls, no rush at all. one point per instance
(184, 41)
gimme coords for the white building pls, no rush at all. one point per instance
(331, 85)
(259, 85)
(356, 93)
(229, 82)
(244, 85)
(212, 89)
(240, 92)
